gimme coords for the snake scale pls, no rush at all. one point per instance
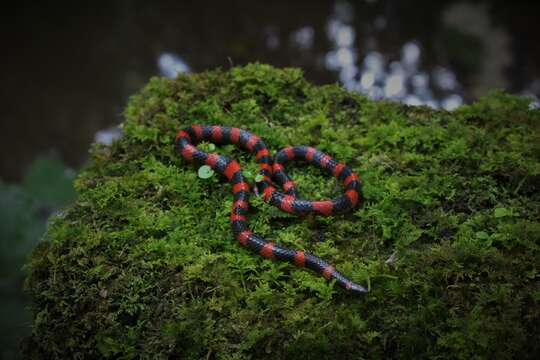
(272, 171)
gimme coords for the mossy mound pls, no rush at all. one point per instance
(144, 264)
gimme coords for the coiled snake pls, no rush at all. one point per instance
(287, 201)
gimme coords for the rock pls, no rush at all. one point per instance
(158, 239)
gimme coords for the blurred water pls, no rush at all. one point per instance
(380, 77)
(69, 69)
(170, 65)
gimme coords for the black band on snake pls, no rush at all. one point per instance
(272, 171)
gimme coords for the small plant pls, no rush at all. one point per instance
(205, 172)
(24, 208)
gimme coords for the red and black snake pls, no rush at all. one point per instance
(272, 169)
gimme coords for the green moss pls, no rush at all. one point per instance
(144, 265)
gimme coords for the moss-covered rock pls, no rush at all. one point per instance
(144, 264)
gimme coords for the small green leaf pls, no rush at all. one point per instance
(259, 178)
(206, 146)
(205, 172)
(482, 235)
(248, 174)
(501, 212)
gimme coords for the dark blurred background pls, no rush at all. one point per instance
(68, 69)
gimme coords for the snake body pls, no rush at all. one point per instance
(272, 170)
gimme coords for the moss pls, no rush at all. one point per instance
(144, 265)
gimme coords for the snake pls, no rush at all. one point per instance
(273, 173)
